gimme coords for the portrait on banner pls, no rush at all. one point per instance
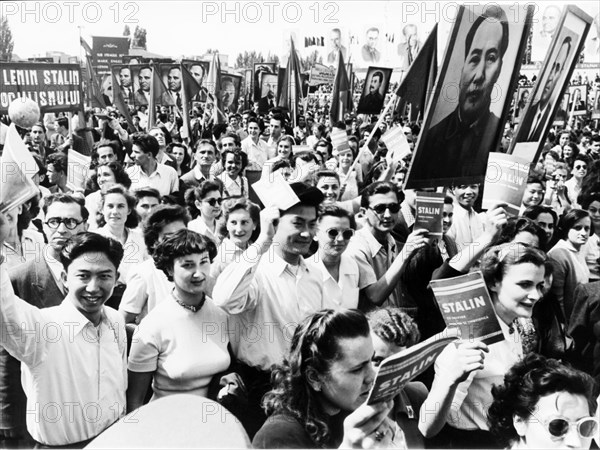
(473, 95)
(374, 90)
(578, 100)
(554, 77)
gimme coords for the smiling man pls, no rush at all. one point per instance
(78, 372)
(458, 146)
(39, 283)
(271, 289)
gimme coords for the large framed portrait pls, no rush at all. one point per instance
(554, 77)
(124, 77)
(170, 75)
(374, 90)
(268, 92)
(142, 81)
(472, 96)
(523, 98)
(230, 91)
(199, 71)
(259, 69)
(578, 101)
(562, 115)
(596, 107)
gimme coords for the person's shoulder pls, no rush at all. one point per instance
(25, 271)
(282, 431)
(167, 170)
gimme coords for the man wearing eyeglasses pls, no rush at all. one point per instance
(38, 282)
(377, 252)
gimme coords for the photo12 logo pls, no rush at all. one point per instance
(269, 12)
(70, 12)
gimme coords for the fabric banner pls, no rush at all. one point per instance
(54, 87)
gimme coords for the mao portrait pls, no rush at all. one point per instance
(463, 123)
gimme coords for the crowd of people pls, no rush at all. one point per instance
(167, 274)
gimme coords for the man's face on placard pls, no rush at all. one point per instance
(125, 77)
(555, 73)
(197, 71)
(372, 37)
(174, 79)
(480, 71)
(375, 84)
(145, 76)
(550, 19)
(336, 39)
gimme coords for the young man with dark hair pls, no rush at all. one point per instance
(147, 171)
(271, 289)
(39, 283)
(57, 173)
(380, 256)
(79, 372)
(146, 200)
(105, 151)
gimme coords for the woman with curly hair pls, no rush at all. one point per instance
(544, 404)
(204, 202)
(456, 407)
(319, 393)
(394, 331)
(183, 342)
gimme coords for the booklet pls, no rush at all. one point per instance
(17, 168)
(395, 371)
(429, 211)
(275, 191)
(465, 303)
(505, 182)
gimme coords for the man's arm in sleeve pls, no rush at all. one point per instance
(20, 324)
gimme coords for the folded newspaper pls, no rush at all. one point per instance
(397, 370)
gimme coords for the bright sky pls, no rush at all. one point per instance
(177, 28)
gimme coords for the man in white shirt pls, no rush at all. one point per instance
(206, 155)
(73, 355)
(147, 171)
(39, 283)
(270, 290)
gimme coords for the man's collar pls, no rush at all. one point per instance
(279, 264)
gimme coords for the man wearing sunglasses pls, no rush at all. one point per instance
(379, 255)
(38, 282)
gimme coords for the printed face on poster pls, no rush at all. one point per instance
(259, 70)
(523, 99)
(563, 111)
(230, 91)
(578, 100)
(141, 75)
(374, 90)
(551, 85)
(268, 92)
(171, 77)
(472, 97)
(197, 69)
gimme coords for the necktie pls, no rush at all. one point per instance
(538, 118)
(178, 101)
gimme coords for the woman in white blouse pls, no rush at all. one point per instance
(234, 183)
(456, 407)
(119, 221)
(183, 342)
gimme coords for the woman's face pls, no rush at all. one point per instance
(105, 177)
(284, 149)
(534, 432)
(347, 383)
(233, 165)
(210, 206)
(579, 169)
(240, 226)
(546, 223)
(567, 151)
(178, 153)
(594, 210)
(579, 233)
(190, 272)
(519, 290)
(345, 158)
(115, 209)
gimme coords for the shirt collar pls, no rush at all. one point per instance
(279, 265)
(72, 317)
(374, 244)
(345, 267)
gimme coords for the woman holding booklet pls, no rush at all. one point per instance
(455, 412)
(320, 391)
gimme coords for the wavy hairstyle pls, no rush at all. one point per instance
(525, 384)
(496, 260)
(132, 219)
(315, 346)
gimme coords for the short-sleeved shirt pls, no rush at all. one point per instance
(184, 349)
(164, 179)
